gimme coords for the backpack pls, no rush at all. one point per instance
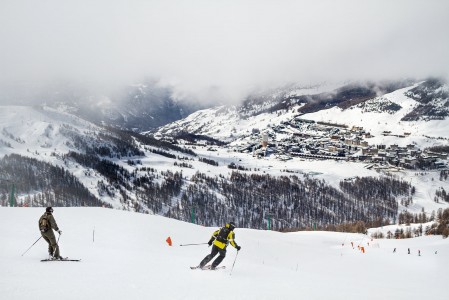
(222, 235)
(44, 224)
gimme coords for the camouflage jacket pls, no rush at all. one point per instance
(47, 221)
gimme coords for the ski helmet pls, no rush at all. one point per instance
(230, 225)
(49, 209)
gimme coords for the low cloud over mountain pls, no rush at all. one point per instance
(218, 51)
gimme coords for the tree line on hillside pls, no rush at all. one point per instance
(151, 141)
(439, 149)
(286, 202)
(441, 194)
(251, 200)
(43, 183)
(440, 225)
(367, 188)
(102, 143)
(443, 175)
(407, 218)
(353, 227)
(194, 138)
(142, 190)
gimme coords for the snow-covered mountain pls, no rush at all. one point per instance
(433, 98)
(357, 117)
(139, 107)
(125, 255)
(310, 172)
(375, 107)
(94, 154)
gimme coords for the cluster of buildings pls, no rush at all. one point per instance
(321, 140)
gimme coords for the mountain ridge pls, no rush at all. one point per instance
(202, 164)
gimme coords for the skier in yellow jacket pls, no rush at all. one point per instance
(220, 240)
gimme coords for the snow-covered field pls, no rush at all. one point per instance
(125, 256)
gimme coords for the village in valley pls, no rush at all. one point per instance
(323, 140)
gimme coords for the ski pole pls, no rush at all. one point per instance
(234, 263)
(192, 244)
(32, 245)
(57, 245)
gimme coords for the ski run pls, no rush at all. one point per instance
(125, 256)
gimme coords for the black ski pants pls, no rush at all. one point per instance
(218, 260)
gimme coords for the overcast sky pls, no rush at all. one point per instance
(221, 48)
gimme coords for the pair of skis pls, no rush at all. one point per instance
(64, 259)
(208, 267)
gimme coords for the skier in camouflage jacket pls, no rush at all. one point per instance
(47, 224)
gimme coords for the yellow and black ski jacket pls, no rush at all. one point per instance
(222, 237)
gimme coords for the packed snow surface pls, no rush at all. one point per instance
(125, 256)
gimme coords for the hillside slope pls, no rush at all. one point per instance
(375, 114)
(132, 172)
(129, 258)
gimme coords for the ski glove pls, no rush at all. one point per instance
(59, 231)
(209, 243)
(238, 248)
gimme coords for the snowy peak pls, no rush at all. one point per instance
(26, 128)
(213, 122)
(433, 98)
(315, 98)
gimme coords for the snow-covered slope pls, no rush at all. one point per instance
(227, 124)
(36, 132)
(423, 133)
(231, 123)
(376, 115)
(224, 123)
(125, 256)
(28, 129)
(46, 134)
